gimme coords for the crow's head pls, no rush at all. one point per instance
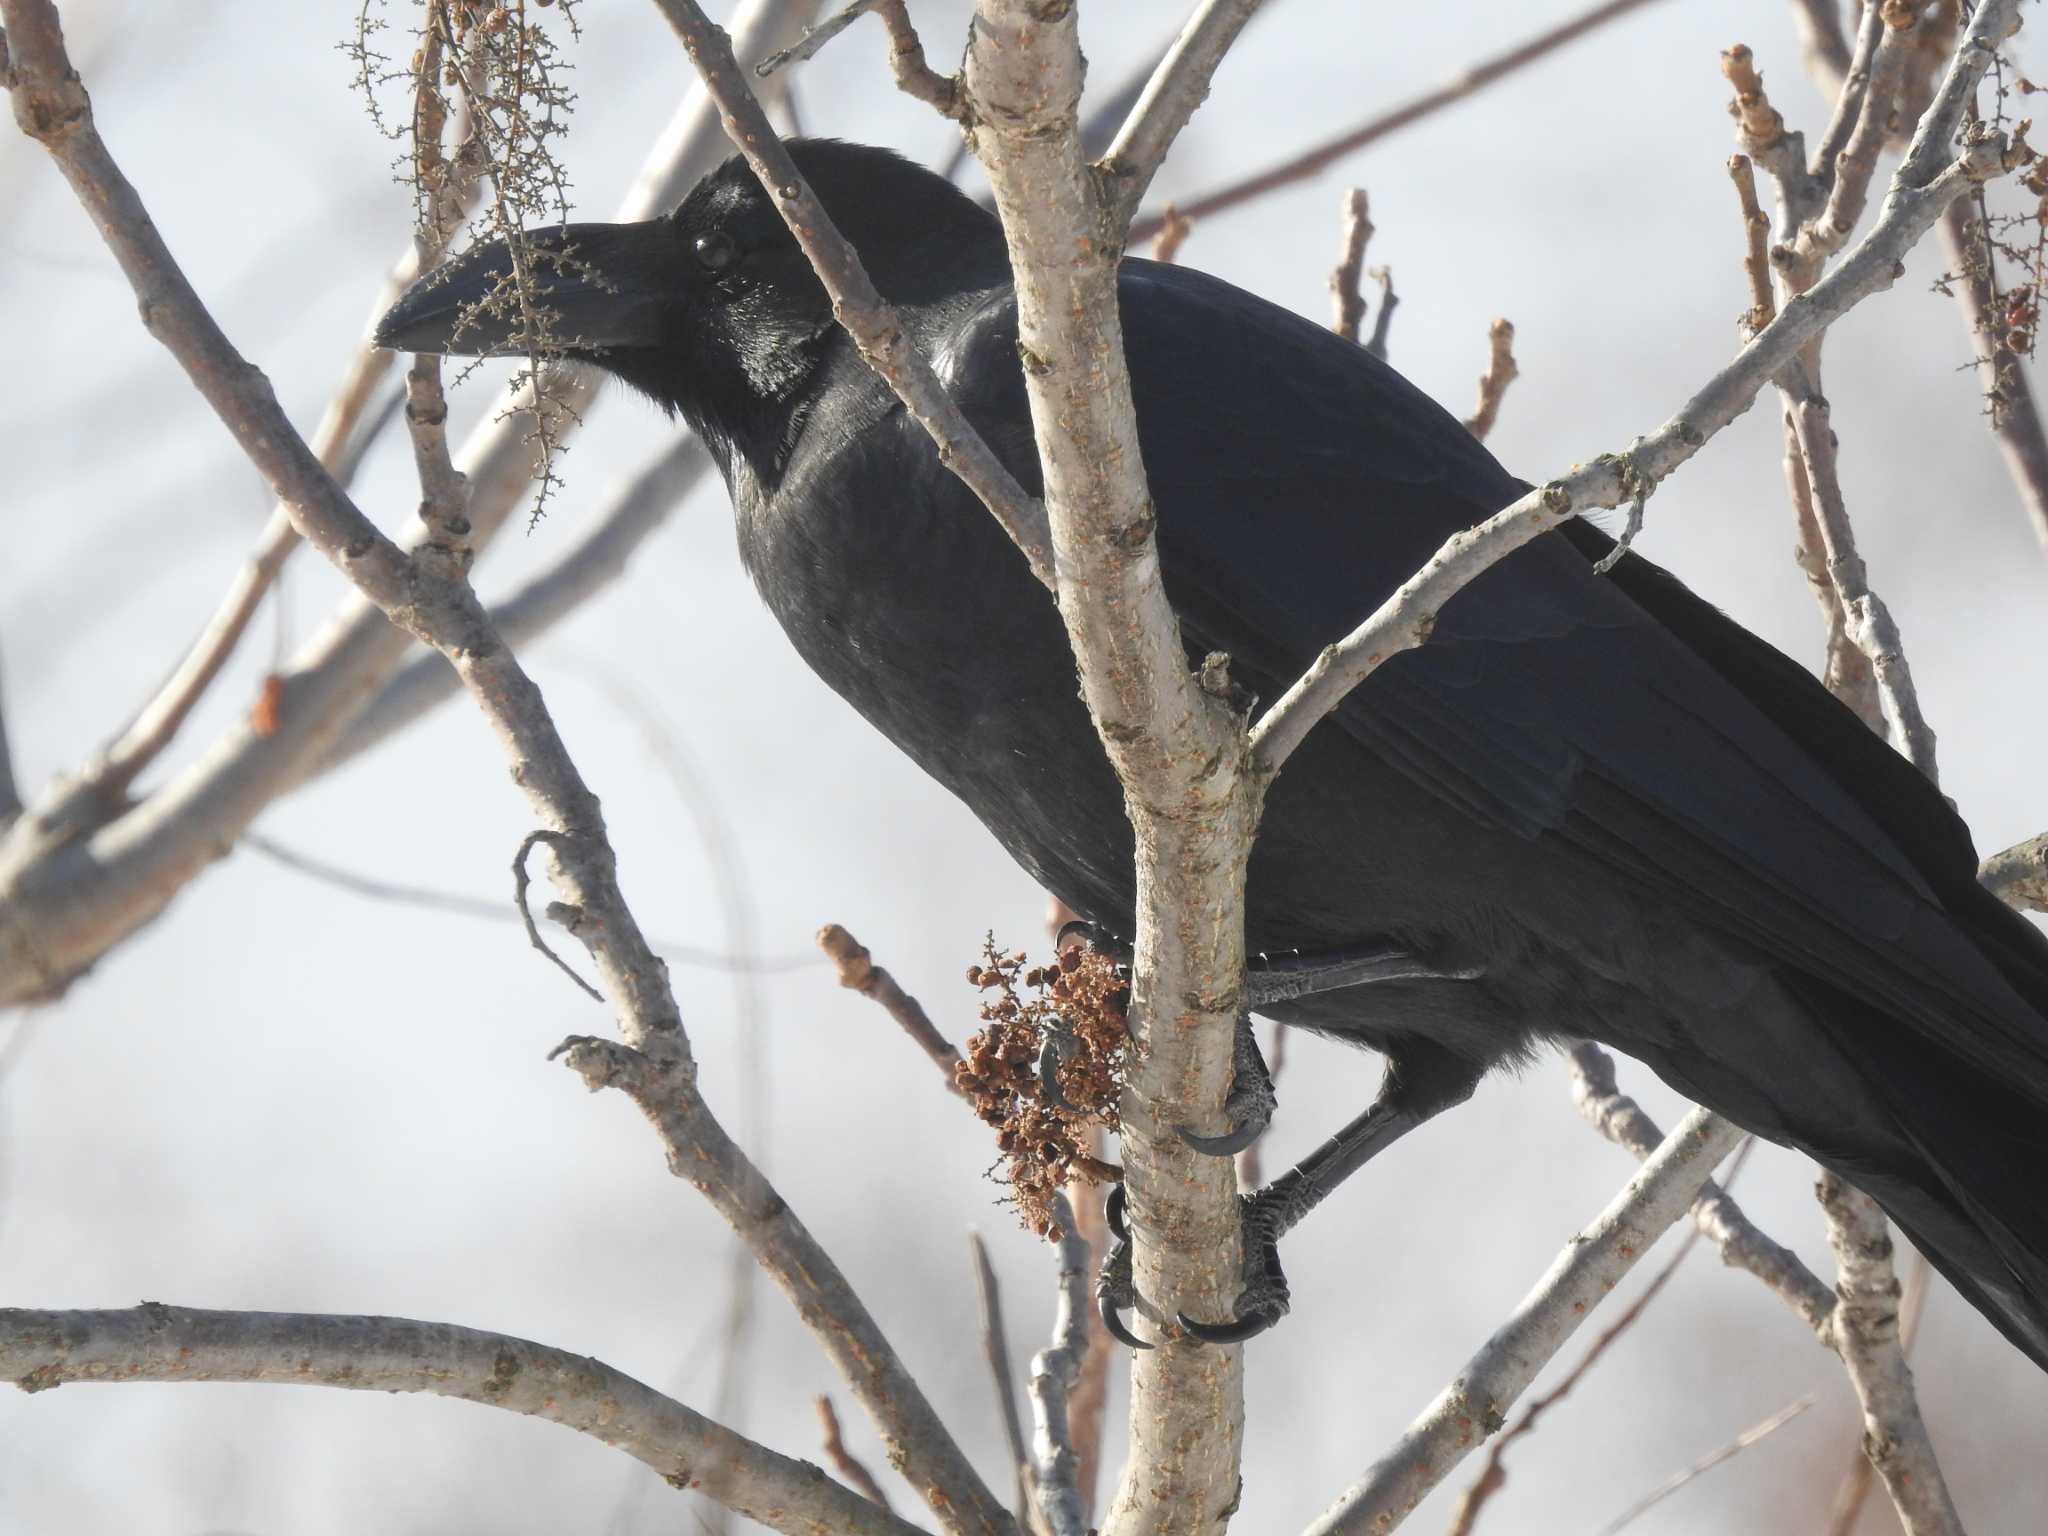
(713, 310)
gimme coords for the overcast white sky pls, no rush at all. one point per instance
(282, 1096)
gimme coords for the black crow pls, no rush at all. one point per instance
(1590, 805)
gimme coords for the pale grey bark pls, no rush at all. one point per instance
(1054, 1371)
(156, 1343)
(1475, 1405)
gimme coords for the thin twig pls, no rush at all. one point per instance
(1384, 320)
(1467, 83)
(1173, 230)
(10, 793)
(1707, 1463)
(1756, 241)
(1911, 208)
(814, 38)
(1493, 1476)
(1868, 622)
(1493, 384)
(374, 889)
(858, 971)
(844, 1462)
(1054, 1371)
(1476, 1402)
(154, 1342)
(1345, 299)
(1743, 1246)
(1178, 86)
(521, 881)
(639, 507)
(883, 340)
(995, 1349)
(2014, 412)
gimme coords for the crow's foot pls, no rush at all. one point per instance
(1251, 1101)
(1115, 1289)
(1264, 1299)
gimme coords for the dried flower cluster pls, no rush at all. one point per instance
(1080, 1000)
(495, 71)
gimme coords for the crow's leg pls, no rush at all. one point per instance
(1422, 1081)
(1273, 979)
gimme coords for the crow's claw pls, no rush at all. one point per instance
(1264, 1299)
(1250, 1104)
(1250, 1326)
(1114, 1287)
(1113, 1214)
(1059, 1046)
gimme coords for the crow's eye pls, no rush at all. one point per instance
(717, 251)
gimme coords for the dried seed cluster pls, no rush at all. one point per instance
(1046, 1144)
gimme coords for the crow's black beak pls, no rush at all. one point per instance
(587, 287)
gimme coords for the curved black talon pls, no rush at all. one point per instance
(1114, 1287)
(1228, 1144)
(1113, 1324)
(1057, 1048)
(1113, 1214)
(1235, 1331)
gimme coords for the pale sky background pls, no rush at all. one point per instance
(282, 1096)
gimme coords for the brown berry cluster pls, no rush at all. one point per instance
(1046, 1144)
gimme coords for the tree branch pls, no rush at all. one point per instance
(428, 594)
(857, 970)
(641, 505)
(66, 899)
(1178, 86)
(1715, 1214)
(1475, 1405)
(2019, 875)
(1865, 1334)
(995, 1348)
(1911, 207)
(1177, 748)
(153, 1342)
(1054, 1371)
(870, 321)
(1348, 303)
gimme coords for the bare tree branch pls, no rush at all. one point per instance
(428, 594)
(1707, 1463)
(1866, 1335)
(870, 321)
(10, 793)
(995, 1348)
(844, 1462)
(68, 898)
(1854, 1487)
(1176, 746)
(1178, 86)
(1054, 1371)
(1493, 384)
(1716, 1215)
(1345, 298)
(1302, 166)
(1475, 1404)
(641, 505)
(858, 971)
(2015, 413)
(153, 1342)
(1911, 208)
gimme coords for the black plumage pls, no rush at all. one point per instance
(1629, 817)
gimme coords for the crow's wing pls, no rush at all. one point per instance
(1298, 482)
